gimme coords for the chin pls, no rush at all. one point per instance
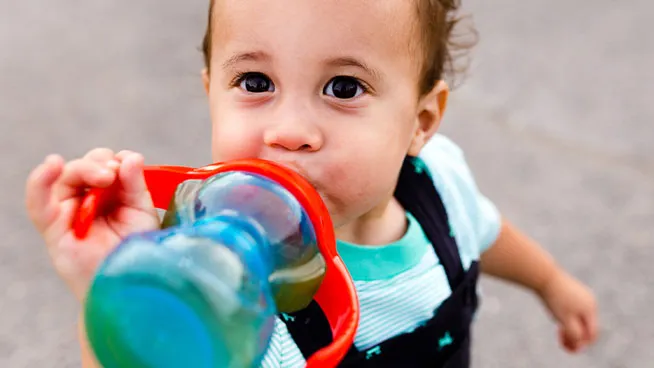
(342, 212)
(336, 211)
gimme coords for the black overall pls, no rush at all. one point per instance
(444, 340)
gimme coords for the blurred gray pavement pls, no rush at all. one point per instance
(556, 118)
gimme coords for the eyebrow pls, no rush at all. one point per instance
(335, 62)
(350, 61)
(246, 56)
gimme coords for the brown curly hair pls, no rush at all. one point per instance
(442, 49)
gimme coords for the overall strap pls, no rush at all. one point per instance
(417, 194)
(309, 328)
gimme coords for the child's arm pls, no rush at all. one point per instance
(517, 258)
(88, 359)
(505, 252)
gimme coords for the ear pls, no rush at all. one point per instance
(205, 80)
(428, 117)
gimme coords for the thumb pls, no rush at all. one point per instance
(133, 189)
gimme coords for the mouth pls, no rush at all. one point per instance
(300, 170)
(294, 166)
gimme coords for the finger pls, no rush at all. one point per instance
(41, 206)
(589, 321)
(565, 342)
(103, 156)
(573, 334)
(79, 175)
(123, 154)
(100, 155)
(134, 191)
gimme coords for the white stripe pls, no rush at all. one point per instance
(401, 304)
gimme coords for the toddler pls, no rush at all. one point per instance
(350, 94)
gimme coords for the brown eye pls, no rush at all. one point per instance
(256, 83)
(344, 88)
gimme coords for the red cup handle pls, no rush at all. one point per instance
(87, 212)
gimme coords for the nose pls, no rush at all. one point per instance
(294, 136)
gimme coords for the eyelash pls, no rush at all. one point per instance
(364, 86)
(240, 76)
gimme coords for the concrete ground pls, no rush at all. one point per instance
(555, 118)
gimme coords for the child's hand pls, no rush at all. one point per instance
(54, 191)
(574, 307)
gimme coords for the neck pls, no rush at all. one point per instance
(382, 225)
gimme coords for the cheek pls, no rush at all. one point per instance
(356, 185)
(233, 136)
(362, 172)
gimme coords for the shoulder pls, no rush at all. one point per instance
(447, 166)
(473, 217)
(446, 160)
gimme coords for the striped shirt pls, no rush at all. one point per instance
(401, 284)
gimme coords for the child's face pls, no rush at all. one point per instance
(327, 87)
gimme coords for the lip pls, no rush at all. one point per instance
(294, 166)
(297, 168)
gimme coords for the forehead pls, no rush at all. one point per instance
(381, 29)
